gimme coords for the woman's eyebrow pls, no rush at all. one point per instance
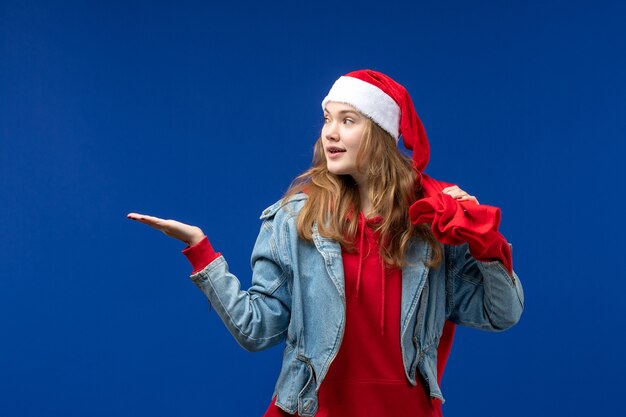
(342, 112)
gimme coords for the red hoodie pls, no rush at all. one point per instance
(365, 379)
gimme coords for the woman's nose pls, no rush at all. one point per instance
(330, 132)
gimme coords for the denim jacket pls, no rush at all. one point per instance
(297, 296)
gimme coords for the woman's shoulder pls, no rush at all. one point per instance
(289, 206)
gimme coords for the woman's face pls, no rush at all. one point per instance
(341, 137)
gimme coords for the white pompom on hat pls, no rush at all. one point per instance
(388, 104)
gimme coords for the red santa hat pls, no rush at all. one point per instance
(388, 104)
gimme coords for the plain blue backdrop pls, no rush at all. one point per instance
(204, 113)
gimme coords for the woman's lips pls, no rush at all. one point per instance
(334, 152)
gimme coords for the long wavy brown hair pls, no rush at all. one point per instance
(392, 189)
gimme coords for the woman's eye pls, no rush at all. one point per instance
(348, 121)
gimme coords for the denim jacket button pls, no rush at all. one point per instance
(307, 405)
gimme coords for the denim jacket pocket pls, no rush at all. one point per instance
(307, 398)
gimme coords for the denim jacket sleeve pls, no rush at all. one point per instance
(258, 317)
(481, 294)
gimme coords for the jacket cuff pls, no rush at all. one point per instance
(200, 255)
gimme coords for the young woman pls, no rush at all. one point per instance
(364, 267)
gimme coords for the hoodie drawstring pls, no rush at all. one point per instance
(382, 300)
(358, 276)
(383, 274)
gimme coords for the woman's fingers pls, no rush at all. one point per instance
(458, 194)
(470, 198)
(163, 225)
(152, 221)
(181, 231)
(454, 191)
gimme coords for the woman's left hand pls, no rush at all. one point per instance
(458, 194)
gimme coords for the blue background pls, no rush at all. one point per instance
(204, 113)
